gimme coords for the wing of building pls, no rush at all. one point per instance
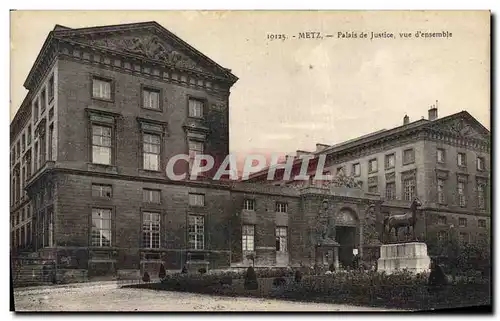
(108, 106)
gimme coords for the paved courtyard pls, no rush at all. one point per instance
(109, 297)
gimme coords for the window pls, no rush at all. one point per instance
(28, 142)
(249, 205)
(481, 223)
(196, 235)
(480, 164)
(462, 222)
(442, 236)
(390, 161)
(390, 191)
(440, 191)
(356, 169)
(151, 230)
(43, 101)
(28, 233)
(372, 165)
(196, 199)
(151, 196)
(281, 239)
(35, 110)
(195, 108)
(461, 160)
(440, 155)
(373, 189)
(340, 170)
(99, 190)
(101, 144)
(409, 189)
(51, 88)
(247, 241)
(481, 195)
(23, 143)
(43, 149)
(52, 152)
(150, 98)
(101, 227)
(101, 88)
(408, 156)
(151, 152)
(18, 149)
(195, 148)
(442, 220)
(281, 207)
(461, 194)
(463, 237)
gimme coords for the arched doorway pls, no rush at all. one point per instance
(346, 229)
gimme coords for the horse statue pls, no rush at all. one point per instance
(403, 220)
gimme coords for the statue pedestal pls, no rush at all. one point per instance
(411, 256)
(327, 252)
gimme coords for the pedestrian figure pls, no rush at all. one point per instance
(437, 278)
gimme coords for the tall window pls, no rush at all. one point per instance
(150, 98)
(440, 155)
(151, 196)
(100, 190)
(390, 191)
(151, 230)
(249, 205)
(356, 169)
(442, 236)
(462, 222)
(43, 149)
(28, 141)
(461, 160)
(481, 223)
(18, 149)
(390, 161)
(281, 207)
(373, 189)
(36, 156)
(101, 227)
(52, 153)
(481, 195)
(461, 194)
(442, 220)
(151, 152)
(248, 232)
(196, 234)
(409, 189)
(51, 88)
(440, 191)
(101, 88)
(372, 165)
(195, 108)
(281, 239)
(408, 156)
(35, 110)
(196, 199)
(23, 143)
(43, 101)
(463, 237)
(101, 144)
(480, 164)
(195, 148)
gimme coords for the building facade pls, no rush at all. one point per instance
(107, 107)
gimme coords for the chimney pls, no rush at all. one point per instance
(433, 112)
(406, 120)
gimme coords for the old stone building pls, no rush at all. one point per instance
(108, 106)
(445, 162)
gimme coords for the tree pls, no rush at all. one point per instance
(162, 274)
(251, 279)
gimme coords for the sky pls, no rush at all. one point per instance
(295, 93)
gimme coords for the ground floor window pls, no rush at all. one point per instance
(248, 237)
(196, 232)
(281, 239)
(101, 227)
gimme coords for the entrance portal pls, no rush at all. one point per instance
(345, 236)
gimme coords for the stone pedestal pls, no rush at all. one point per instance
(411, 256)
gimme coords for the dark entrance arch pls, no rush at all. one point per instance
(346, 231)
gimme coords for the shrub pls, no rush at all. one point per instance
(332, 267)
(298, 276)
(146, 277)
(251, 280)
(162, 272)
(279, 282)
